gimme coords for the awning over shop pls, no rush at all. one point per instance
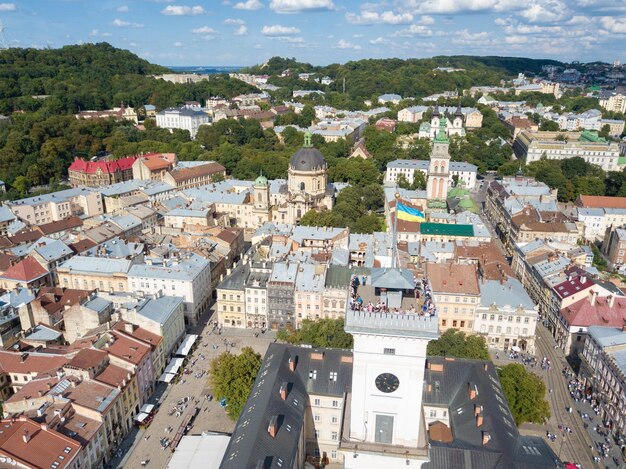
(147, 408)
(174, 364)
(141, 417)
(167, 377)
(185, 347)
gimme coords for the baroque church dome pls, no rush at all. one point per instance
(307, 158)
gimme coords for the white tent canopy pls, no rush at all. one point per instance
(141, 417)
(174, 364)
(185, 347)
(147, 408)
(167, 377)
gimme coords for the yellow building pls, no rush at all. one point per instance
(456, 294)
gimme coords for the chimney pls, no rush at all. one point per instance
(44, 427)
(128, 327)
(272, 428)
(293, 361)
(611, 300)
(472, 390)
(479, 420)
(583, 279)
(486, 438)
(284, 390)
(593, 295)
(26, 436)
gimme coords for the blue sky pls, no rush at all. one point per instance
(244, 32)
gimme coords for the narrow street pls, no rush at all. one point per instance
(145, 445)
(575, 446)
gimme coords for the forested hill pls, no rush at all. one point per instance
(368, 78)
(93, 76)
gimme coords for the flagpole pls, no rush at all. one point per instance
(394, 237)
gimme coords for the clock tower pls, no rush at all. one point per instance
(386, 427)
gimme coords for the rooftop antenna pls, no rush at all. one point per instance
(3, 39)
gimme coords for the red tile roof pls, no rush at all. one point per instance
(571, 287)
(30, 363)
(128, 349)
(184, 174)
(35, 445)
(584, 314)
(601, 201)
(87, 358)
(114, 375)
(108, 166)
(460, 279)
(154, 161)
(27, 270)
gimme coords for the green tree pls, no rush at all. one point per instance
(320, 333)
(232, 377)
(525, 392)
(454, 343)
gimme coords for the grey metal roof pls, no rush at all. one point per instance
(43, 333)
(307, 159)
(506, 447)
(619, 357)
(250, 441)
(185, 269)
(237, 278)
(309, 278)
(607, 336)
(6, 214)
(99, 265)
(398, 279)
(60, 196)
(160, 309)
(284, 272)
(300, 233)
(510, 293)
(97, 304)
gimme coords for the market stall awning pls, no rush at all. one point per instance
(141, 417)
(174, 364)
(147, 408)
(167, 377)
(185, 347)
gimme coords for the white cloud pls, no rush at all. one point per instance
(425, 19)
(545, 11)
(233, 21)
(126, 24)
(241, 31)
(178, 44)
(123, 9)
(357, 36)
(106, 34)
(615, 26)
(257, 46)
(298, 6)
(278, 30)
(93, 32)
(455, 6)
(203, 30)
(346, 45)
(8, 7)
(379, 40)
(183, 10)
(372, 17)
(415, 30)
(248, 5)
(466, 37)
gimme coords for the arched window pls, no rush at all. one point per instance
(301, 186)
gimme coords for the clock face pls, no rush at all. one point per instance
(386, 382)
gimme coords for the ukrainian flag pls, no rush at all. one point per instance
(406, 213)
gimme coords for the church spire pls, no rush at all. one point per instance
(307, 140)
(441, 136)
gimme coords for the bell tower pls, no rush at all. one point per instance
(439, 167)
(386, 425)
